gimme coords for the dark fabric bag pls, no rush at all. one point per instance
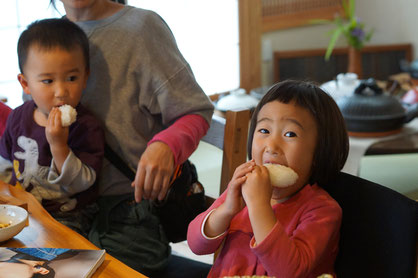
(184, 201)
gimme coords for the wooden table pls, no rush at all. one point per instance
(404, 142)
(45, 231)
(402, 145)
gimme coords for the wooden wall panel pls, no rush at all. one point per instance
(250, 43)
(281, 14)
(378, 62)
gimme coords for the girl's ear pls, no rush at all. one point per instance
(24, 83)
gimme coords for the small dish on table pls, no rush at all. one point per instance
(12, 220)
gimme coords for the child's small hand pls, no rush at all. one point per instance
(234, 202)
(220, 219)
(57, 137)
(257, 189)
(56, 134)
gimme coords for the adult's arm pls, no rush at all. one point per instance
(167, 149)
(183, 136)
(169, 91)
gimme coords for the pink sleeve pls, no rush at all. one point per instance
(183, 136)
(199, 244)
(4, 113)
(297, 255)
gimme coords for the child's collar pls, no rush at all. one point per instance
(282, 200)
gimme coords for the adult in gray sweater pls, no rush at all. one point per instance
(154, 114)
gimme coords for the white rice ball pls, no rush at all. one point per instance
(68, 115)
(281, 176)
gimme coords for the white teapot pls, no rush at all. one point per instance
(237, 99)
(343, 85)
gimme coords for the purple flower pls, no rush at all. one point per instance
(358, 33)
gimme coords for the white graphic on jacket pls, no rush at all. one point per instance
(36, 176)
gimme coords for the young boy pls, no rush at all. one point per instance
(57, 164)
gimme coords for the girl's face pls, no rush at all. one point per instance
(285, 134)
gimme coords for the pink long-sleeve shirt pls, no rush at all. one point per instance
(183, 136)
(303, 243)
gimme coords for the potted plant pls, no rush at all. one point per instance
(353, 30)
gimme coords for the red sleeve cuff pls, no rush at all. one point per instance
(183, 136)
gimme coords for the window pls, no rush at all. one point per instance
(14, 17)
(206, 32)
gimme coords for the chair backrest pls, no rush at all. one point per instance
(378, 232)
(230, 135)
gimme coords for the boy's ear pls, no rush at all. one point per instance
(24, 83)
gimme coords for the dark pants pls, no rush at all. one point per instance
(179, 267)
(132, 233)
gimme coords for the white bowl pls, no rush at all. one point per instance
(236, 100)
(16, 217)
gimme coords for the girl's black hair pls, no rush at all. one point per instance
(332, 142)
(50, 33)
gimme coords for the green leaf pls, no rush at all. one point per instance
(346, 30)
(332, 43)
(353, 22)
(369, 35)
(339, 21)
(346, 12)
(331, 32)
(352, 7)
(320, 21)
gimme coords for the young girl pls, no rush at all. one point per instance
(282, 232)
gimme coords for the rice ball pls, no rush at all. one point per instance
(68, 115)
(281, 176)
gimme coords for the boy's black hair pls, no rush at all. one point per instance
(332, 142)
(50, 33)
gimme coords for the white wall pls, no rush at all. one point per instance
(394, 22)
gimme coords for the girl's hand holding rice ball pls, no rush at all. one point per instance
(281, 176)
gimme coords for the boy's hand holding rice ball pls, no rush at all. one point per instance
(68, 115)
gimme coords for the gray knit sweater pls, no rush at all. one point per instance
(139, 84)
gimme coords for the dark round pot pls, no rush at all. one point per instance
(369, 110)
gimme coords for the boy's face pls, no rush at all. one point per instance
(54, 77)
(285, 134)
